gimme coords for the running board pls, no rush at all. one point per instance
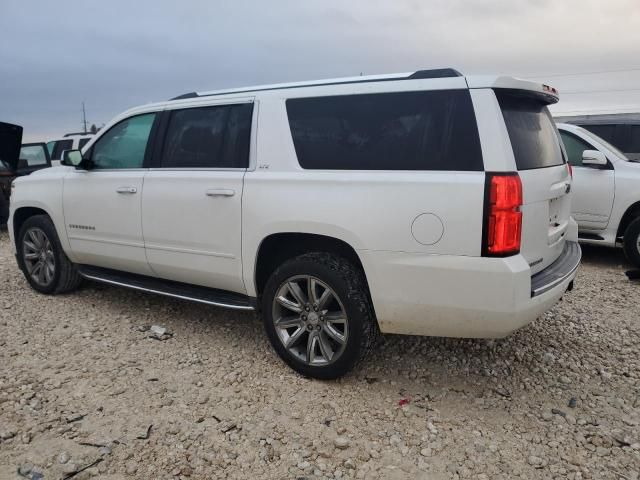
(169, 288)
(589, 236)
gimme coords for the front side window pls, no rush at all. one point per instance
(33, 155)
(83, 142)
(574, 147)
(427, 130)
(208, 137)
(59, 147)
(124, 145)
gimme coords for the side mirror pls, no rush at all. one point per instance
(594, 157)
(72, 158)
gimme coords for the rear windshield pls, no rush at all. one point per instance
(533, 134)
(428, 130)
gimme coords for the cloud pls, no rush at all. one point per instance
(117, 54)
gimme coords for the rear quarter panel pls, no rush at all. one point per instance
(370, 210)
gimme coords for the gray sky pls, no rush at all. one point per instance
(118, 54)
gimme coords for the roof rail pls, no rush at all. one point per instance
(77, 133)
(435, 73)
(417, 75)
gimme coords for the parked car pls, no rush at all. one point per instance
(425, 204)
(30, 157)
(621, 130)
(70, 141)
(606, 197)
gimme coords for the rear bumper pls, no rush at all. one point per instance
(457, 296)
(556, 273)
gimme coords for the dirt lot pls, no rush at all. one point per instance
(82, 382)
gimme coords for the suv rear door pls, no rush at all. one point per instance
(192, 197)
(546, 181)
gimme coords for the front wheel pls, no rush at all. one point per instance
(632, 242)
(318, 316)
(41, 258)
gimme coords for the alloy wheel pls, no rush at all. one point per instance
(39, 260)
(310, 320)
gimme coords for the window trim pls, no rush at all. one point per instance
(148, 152)
(155, 163)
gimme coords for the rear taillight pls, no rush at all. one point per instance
(503, 218)
(570, 169)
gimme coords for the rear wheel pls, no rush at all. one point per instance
(318, 316)
(632, 242)
(41, 258)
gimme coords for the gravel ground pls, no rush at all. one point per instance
(82, 382)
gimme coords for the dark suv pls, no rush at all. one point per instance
(31, 157)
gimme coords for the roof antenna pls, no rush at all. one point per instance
(84, 119)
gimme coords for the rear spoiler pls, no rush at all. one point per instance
(545, 93)
(10, 142)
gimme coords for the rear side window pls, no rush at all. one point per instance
(432, 130)
(208, 137)
(532, 132)
(59, 147)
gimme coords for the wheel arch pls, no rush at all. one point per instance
(630, 214)
(21, 215)
(276, 248)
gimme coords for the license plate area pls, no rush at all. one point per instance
(558, 220)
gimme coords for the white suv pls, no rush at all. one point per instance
(71, 141)
(606, 198)
(427, 203)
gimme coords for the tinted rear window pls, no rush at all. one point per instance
(533, 134)
(433, 130)
(208, 137)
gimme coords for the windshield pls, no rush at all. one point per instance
(601, 140)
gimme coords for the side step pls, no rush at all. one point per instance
(589, 236)
(169, 288)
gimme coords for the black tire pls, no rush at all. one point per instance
(65, 276)
(348, 282)
(632, 242)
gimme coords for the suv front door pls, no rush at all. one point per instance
(193, 196)
(102, 203)
(593, 188)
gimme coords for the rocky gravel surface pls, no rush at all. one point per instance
(87, 385)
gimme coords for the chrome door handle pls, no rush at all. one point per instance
(220, 192)
(126, 189)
